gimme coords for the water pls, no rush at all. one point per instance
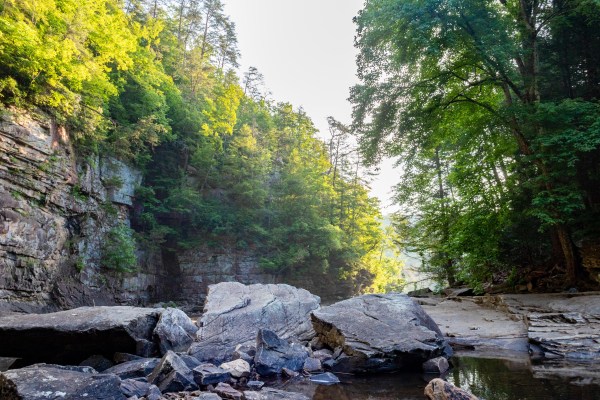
(489, 379)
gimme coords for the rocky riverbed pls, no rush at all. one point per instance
(247, 335)
(251, 338)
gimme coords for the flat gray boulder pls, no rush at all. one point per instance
(375, 333)
(45, 381)
(69, 337)
(234, 313)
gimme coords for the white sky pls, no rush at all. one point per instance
(305, 50)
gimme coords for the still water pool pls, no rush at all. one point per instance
(489, 379)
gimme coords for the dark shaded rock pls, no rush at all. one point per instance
(437, 365)
(379, 333)
(68, 337)
(209, 374)
(255, 385)
(98, 362)
(274, 394)
(234, 313)
(120, 358)
(237, 368)
(439, 389)
(174, 331)
(289, 373)
(273, 354)
(172, 375)
(134, 387)
(45, 381)
(420, 292)
(456, 292)
(227, 392)
(326, 378)
(329, 364)
(191, 362)
(312, 365)
(140, 368)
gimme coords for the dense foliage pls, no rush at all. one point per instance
(492, 110)
(151, 82)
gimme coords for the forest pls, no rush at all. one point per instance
(154, 84)
(490, 109)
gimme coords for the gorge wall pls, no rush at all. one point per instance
(56, 209)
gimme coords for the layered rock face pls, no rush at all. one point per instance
(54, 213)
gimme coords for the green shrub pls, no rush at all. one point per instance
(118, 250)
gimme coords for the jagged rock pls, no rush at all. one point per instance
(191, 362)
(255, 385)
(439, 389)
(323, 354)
(437, 365)
(154, 393)
(98, 362)
(245, 352)
(326, 378)
(209, 374)
(45, 381)
(568, 335)
(312, 365)
(273, 394)
(234, 313)
(174, 331)
(237, 368)
(379, 333)
(274, 354)
(135, 387)
(172, 375)
(227, 392)
(140, 368)
(68, 337)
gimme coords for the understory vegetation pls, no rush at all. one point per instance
(152, 83)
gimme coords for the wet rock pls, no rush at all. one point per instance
(237, 368)
(45, 381)
(439, 389)
(209, 374)
(174, 331)
(140, 368)
(326, 378)
(437, 365)
(134, 387)
(274, 394)
(227, 392)
(68, 337)
(98, 362)
(379, 333)
(234, 313)
(172, 375)
(312, 365)
(274, 354)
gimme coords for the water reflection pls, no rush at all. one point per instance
(489, 379)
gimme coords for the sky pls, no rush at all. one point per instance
(305, 50)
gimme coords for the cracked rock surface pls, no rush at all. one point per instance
(379, 333)
(234, 313)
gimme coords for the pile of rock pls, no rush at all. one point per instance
(247, 334)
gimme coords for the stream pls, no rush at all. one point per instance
(489, 379)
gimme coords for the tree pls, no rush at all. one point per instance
(422, 62)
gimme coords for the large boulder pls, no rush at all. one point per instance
(274, 354)
(174, 331)
(69, 337)
(45, 381)
(234, 313)
(379, 333)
